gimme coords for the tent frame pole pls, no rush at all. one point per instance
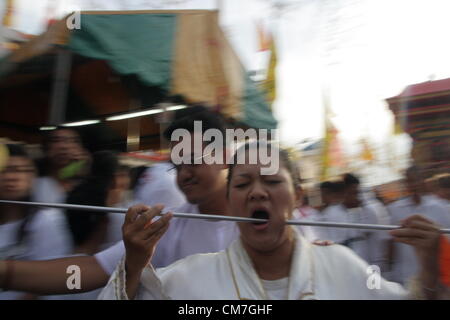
(60, 87)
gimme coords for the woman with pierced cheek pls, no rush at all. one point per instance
(270, 260)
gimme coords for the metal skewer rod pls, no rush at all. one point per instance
(213, 217)
(124, 210)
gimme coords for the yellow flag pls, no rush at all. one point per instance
(366, 153)
(332, 156)
(397, 128)
(327, 139)
(9, 10)
(270, 83)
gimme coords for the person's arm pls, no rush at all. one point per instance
(424, 236)
(50, 277)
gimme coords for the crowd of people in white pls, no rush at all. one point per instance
(151, 260)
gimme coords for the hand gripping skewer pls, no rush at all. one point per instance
(214, 217)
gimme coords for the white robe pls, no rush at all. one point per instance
(317, 272)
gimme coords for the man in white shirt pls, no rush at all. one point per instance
(403, 261)
(366, 243)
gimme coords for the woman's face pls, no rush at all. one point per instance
(16, 179)
(271, 197)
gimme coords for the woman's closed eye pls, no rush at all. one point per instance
(241, 185)
(273, 181)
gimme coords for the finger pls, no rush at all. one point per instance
(156, 226)
(146, 217)
(410, 233)
(157, 235)
(416, 224)
(133, 212)
(409, 241)
(158, 213)
(142, 233)
(416, 217)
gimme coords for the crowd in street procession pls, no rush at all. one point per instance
(148, 253)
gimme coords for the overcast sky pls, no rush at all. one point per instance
(362, 50)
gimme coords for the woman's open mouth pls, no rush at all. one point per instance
(260, 214)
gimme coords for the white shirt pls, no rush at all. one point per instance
(47, 189)
(276, 289)
(365, 243)
(380, 211)
(404, 261)
(158, 185)
(183, 238)
(46, 238)
(440, 201)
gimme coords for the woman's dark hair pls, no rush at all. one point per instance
(337, 186)
(443, 181)
(326, 185)
(135, 175)
(284, 157)
(92, 191)
(17, 150)
(350, 179)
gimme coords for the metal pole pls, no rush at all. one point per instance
(60, 87)
(214, 217)
(133, 128)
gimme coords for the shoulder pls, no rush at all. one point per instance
(338, 264)
(398, 208)
(330, 251)
(351, 276)
(435, 203)
(334, 209)
(399, 203)
(339, 260)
